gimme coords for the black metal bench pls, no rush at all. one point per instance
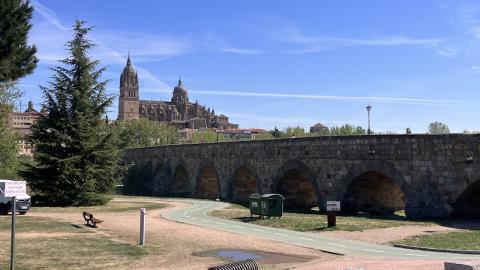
(90, 220)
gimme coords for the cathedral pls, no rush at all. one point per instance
(179, 112)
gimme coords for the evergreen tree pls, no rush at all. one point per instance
(76, 154)
(17, 59)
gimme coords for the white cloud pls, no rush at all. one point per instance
(396, 100)
(51, 34)
(309, 43)
(49, 15)
(240, 51)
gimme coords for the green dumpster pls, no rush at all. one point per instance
(255, 204)
(272, 205)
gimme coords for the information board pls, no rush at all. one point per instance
(15, 188)
(333, 206)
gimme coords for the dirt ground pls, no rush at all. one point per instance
(175, 245)
(383, 236)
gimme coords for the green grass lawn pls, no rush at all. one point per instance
(469, 240)
(112, 206)
(312, 221)
(26, 224)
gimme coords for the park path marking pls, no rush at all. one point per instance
(338, 245)
(238, 227)
(413, 254)
(258, 230)
(373, 250)
(307, 239)
(219, 223)
(281, 234)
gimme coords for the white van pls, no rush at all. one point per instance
(23, 201)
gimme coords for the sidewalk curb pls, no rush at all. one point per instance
(459, 251)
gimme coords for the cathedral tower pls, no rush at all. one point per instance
(180, 99)
(128, 105)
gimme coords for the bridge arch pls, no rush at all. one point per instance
(207, 184)
(467, 203)
(298, 184)
(243, 183)
(180, 182)
(138, 178)
(374, 186)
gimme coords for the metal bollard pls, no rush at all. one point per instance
(240, 265)
(142, 226)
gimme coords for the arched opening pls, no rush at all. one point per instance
(138, 180)
(243, 185)
(180, 185)
(468, 203)
(207, 185)
(375, 193)
(297, 189)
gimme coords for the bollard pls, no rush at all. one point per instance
(332, 218)
(142, 226)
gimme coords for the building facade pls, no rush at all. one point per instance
(179, 111)
(21, 123)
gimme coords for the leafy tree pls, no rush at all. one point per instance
(76, 156)
(438, 128)
(9, 163)
(347, 130)
(144, 133)
(17, 59)
(207, 136)
(263, 136)
(276, 133)
(290, 132)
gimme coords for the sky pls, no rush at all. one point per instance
(283, 63)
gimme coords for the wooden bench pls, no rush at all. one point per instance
(91, 221)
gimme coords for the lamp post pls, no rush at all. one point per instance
(369, 108)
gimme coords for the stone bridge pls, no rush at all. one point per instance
(427, 175)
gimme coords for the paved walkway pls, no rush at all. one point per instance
(197, 215)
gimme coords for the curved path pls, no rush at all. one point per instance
(198, 215)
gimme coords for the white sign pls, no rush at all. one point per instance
(15, 188)
(333, 205)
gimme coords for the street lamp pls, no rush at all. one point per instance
(369, 108)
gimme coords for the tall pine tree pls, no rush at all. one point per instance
(17, 59)
(76, 155)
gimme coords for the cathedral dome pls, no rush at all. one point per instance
(180, 90)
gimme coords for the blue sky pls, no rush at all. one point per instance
(284, 63)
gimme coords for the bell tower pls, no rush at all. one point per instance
(128, 104)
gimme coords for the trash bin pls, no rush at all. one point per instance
(272, 205)
(254, 204)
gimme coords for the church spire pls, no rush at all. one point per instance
(129, 63)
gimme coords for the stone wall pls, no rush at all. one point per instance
(432, 171)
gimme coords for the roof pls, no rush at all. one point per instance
(258, 130)
(318, 125)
